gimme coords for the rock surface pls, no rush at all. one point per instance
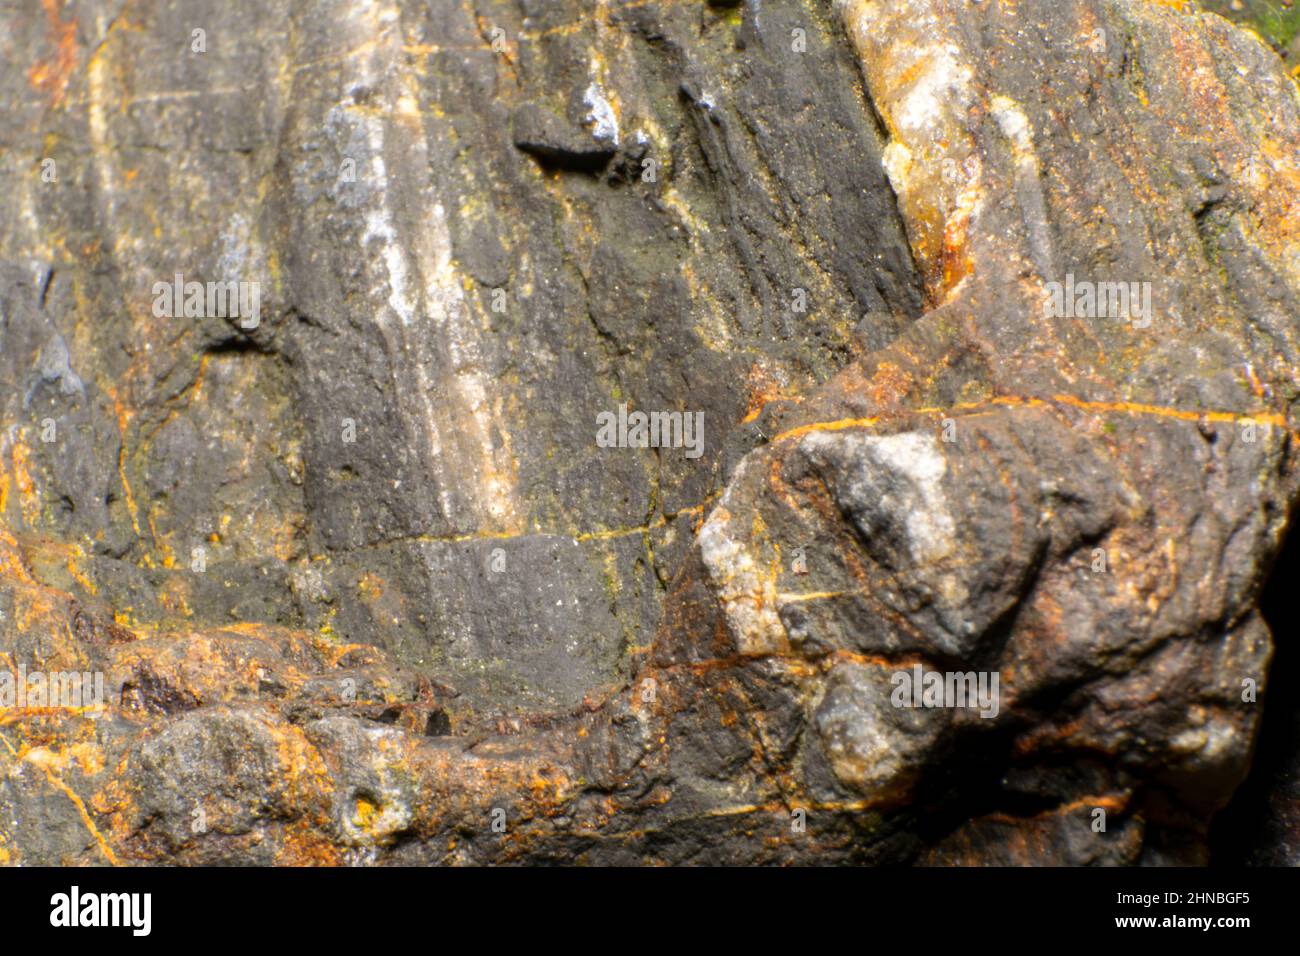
(363, 585)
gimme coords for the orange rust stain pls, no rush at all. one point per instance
(80, 804)
(1045, 738)
(1262, 417)
(335, 653)
(304, 846)
(954, 253)
(1256, 385)
(123, 421)
(174, 597)
(799, 597)
(834, 426)
(75, 570)
(285, 537)
(50, 76)
(1185, 415)
(764, 388)
(1112, 803)
(28, 501)
(22, 715)
(889, 384)
(1108, 802)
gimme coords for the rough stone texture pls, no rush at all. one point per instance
(363, 584)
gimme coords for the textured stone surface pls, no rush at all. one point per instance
(365, 588)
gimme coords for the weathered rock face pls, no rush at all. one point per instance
(366, 584)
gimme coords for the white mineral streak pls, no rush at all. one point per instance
(1016, 128)
(435, 341)
(604, 124)
(33, 235)
(746, 589)
(931, 532)
(100, 98)
(922, 82)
